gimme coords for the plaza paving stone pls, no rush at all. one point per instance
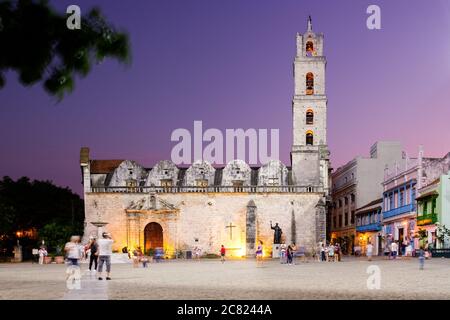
(210, 279)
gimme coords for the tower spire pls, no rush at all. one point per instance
(309, 23)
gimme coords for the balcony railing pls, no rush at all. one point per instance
(369, 227)
(398, 211)
(425, 219)
(211, 189)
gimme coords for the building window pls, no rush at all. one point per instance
(334, 222)
(340, 203)
(352, 218)
(309, 83)
(309, 138)
(166, 183)
(425, 207)
(433, 206)
(309, 116)
(131, 183)
(309, 49)
(346, 219)
(391, 201)
(352, 196)
(346, 200)
(340, 220)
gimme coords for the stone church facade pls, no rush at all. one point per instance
(208, 206)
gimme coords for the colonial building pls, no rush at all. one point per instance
(400, 186)
(206, 206)
(368, 226)
(433, 209)
(357, 184)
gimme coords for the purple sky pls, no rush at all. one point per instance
(229, 64)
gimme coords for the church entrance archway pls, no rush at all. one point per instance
(153, 236)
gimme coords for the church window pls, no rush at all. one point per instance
(309, 49)
(433, 206)
(309, 116)
(131, 183)
(309, 83)
(201, 183)
(237, 185)
(166, 183)
(309, 138)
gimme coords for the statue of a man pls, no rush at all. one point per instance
(277, 233)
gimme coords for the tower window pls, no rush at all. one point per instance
(309, 83)
(309, 138)
(309, 49)
(309, 117)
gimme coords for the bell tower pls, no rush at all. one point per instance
(309, 154)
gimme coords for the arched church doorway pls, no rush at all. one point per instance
(153, 236)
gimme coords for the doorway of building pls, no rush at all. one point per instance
(380, 245)
(153, 237)
(400, 241)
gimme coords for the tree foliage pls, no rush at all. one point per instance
(26, 205)
(36, 43)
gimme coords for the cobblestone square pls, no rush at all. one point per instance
(210, 279)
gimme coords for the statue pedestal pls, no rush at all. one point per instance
(276, 251)
(18, 254)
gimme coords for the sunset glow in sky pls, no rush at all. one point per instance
(229, 64)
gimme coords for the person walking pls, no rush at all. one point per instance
(42, 254)
(421, 258)
(394, 249)
(322, 252)
(259, 253)
(74, 250)
(337, 252)
(136, 257)
(369, 251)
(331, 253)
(93, 257)
(387, 252)
(104, 255)
(283, 253)
(222, 254)
(289, 253)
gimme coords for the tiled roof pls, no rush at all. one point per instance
(371, 204)
(104, 166)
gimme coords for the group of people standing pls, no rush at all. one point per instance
(138, 256)
(331, 252)
(287, 253)
(99, 253)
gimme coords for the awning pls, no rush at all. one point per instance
(428, 194)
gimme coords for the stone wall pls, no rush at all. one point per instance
(207, 217)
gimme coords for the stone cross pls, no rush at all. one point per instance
(231, 230)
